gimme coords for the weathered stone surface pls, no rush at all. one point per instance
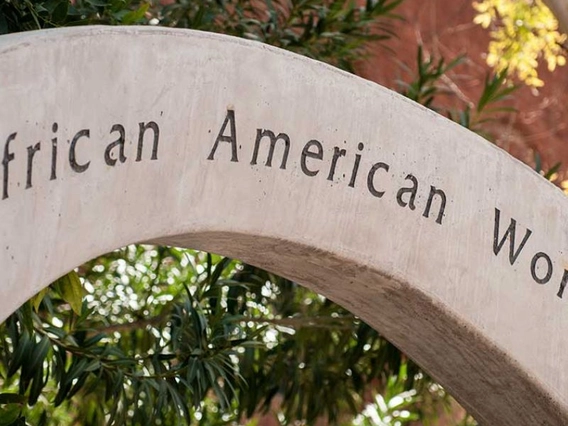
(430, 268)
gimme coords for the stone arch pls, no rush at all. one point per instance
(447, 245)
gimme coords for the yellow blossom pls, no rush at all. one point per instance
(522, 33)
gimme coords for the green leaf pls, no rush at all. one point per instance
(12, 398)
(494, 90)
(60, 12)
(136, 15)
(552, 171)
(23, 347)
(98, 3)
(9, 414)
(70, 289)
(38, 356)
(37, 299)
(3, 25)
(43, 419)
(117, 5)
(537, 162)
(36, 387)
(25, 315)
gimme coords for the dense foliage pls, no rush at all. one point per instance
(165, 334)
(333, 31)
(161, 335)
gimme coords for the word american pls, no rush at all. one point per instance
(312, 162)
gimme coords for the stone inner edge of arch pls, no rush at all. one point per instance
(411, 320)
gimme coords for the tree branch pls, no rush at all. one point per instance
(339, 323)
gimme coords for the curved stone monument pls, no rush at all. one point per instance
(449, 247)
